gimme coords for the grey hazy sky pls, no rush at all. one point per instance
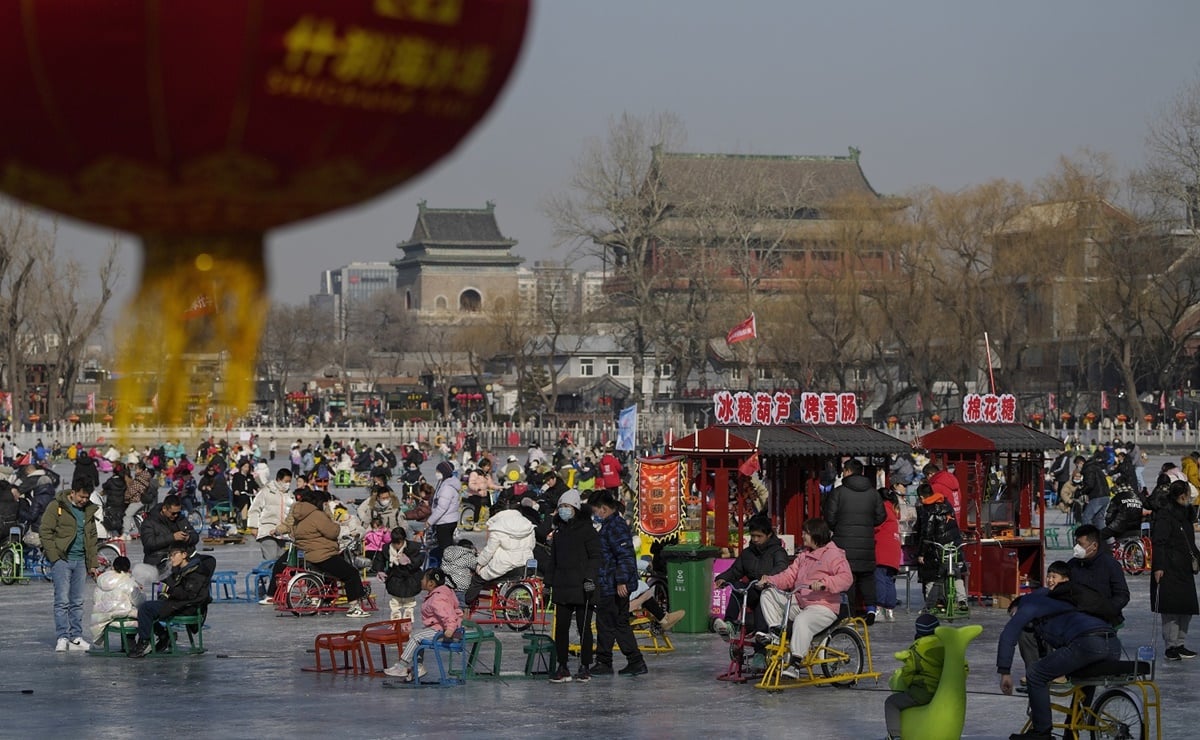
(946, 93)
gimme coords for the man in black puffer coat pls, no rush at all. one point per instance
(852, 511)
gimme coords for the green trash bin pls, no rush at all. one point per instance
(690, 582)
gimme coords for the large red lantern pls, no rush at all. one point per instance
(199, 125)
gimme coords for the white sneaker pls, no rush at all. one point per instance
(791, 672)
(399, 670)
(267, 600)
(61, 645)
(356, 612)
(78, 644)
(721, 627)
(889, 615)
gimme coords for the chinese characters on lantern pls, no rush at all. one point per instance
(746, 409)
(989, 408)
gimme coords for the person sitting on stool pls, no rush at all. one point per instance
(185, 588)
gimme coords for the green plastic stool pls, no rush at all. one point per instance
(125, 628)
(476, 637)
(195, 642)
(539, 653)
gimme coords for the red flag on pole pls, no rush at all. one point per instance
(750, 467)
(1103, 401)
(743, 331)
(920, 404)
(1051, 402)
(1162, 401)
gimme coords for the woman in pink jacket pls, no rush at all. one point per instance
(816, 578)
(440, 615)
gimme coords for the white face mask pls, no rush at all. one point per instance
(440, 476)
(1078, 552)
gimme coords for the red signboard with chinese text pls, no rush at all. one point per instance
(661, 486)
(761, 409)
(989, 408)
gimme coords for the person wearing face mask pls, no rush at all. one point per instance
(617, 580)
(444, 517)
(1074, 637)
(571, 569)
(382, 505)
(1093, 566)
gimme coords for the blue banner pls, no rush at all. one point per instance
(627, 429)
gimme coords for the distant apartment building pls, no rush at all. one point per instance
(553, 287)
(353, 284)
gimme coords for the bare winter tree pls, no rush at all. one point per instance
(612, 210)
(72, 314)
(294, 341)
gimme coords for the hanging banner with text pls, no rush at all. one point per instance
(989, 408)
(763, 409)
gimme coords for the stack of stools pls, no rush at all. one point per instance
(393, 632)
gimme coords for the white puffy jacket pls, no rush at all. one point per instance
(270, 507)
(509, 545)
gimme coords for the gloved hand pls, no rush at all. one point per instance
(589, 585)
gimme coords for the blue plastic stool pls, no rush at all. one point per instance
(223, 586)
(447, 676)
(258, 581)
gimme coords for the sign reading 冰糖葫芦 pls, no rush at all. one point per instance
(762, 408)
(989, 408)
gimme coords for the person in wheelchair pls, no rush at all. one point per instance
(1075, 623)
(509, 548)
(764, 557)
(185, 590)
(317, 535)
(816, 579)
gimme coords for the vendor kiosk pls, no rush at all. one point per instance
(1000, 471)
(791, 457)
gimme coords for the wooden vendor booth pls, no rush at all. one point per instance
(790, 455)
(1000, 467)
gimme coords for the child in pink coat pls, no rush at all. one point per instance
(816, 579)
(440, 616)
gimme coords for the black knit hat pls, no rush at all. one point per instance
(926, 624)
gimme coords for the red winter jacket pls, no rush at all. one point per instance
(610, 471)
(887, 538)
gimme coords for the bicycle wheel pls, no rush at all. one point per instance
(844, 644)
(1133, 557)
(467, 517)
(518, 607)
(303, 595)
(105, 557)
(1117, 717)
(8, 567)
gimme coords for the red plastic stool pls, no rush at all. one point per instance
(394, 632)
(349, 644)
